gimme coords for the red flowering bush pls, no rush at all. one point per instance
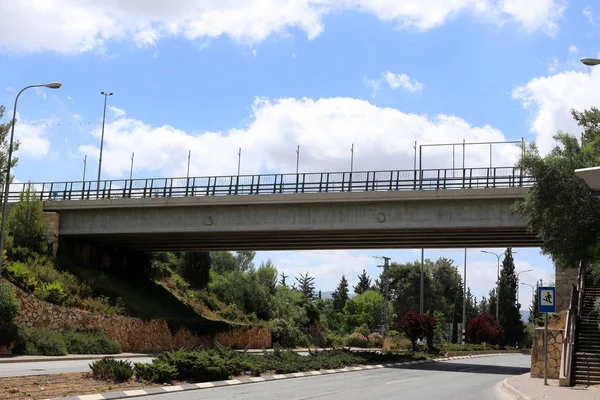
(484, 329)
(415, 325)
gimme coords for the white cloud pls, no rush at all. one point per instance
(535, 15)
(10, 89)
(34, 139)
(588, 12)
(403, 81)
(383, 139)
(373, 84)
(73, 26)
(551, 99)
(117, 112)
(573, 49)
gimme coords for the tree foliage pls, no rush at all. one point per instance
(484, 329)
(9, 309)
(509, 309)
(306, 284)
(26, 222)
(194, 267)
(364, 283)
(340, 295)
(366, 309)
(415, 326)
(560, 207)
(4, 146)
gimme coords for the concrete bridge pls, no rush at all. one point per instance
(394, 219)
(359, 210)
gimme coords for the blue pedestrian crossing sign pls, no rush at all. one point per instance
(547, 299)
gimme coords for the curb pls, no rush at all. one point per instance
(72, 357)
(512, 391)
(242, 381)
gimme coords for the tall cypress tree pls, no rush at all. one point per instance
(340, 294)
(364, 283)
(535, 317)
(510, 316)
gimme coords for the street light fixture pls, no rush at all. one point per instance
(51, 85)
(519, 273)
(105, 94)
(497, 280)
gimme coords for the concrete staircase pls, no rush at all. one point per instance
(586, 358)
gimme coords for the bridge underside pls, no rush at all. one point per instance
(318, 240)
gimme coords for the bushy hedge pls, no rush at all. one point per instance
(9, 309)
(111, 369)
(44, 342)
(223, 363)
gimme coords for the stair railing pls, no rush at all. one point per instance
(573, 313)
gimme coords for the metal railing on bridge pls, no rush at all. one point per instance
(320, 182)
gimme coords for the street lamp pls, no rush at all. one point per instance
(519, 273)
(497, 280)
(51, 85)
(105, 94)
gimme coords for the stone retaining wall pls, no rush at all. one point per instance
(565, 279)
(133, 334)
(555, 344)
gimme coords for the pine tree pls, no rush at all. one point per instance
(306, 284)
(283, 278)
(510, 316)
(340, 295)
(484, 306)
(26, 222)
(492, 302)
(364, 283)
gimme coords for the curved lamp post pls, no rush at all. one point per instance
(497, 280)
(51, 85)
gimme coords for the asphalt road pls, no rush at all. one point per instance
(469, 379)
(52, 367)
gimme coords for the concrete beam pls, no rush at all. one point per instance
(411, 219)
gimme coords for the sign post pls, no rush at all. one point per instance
(546, 304)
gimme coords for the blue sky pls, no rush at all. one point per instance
(266, 76)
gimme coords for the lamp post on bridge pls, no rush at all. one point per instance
(105, 94)
(51, 85)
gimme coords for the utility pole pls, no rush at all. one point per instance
(239, 160)
(131, 168)
(464, 318)
(297, 159)
(84, 166)
(187, 174)
(384, 318)
(422, 289)
(105, 94)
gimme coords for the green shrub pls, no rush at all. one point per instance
(54, 293)
(90, 342)
(9, 310)
(111, 369)
(357, 339)
(287, 335)
(20, 253)
(375, 339)
(44, 342)
(19, 274)
(333, 340)
(39, 342)
(158, 371)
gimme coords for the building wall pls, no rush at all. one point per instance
(555, 345)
